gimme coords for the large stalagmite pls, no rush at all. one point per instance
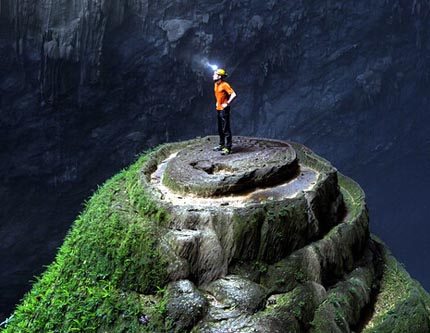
(101, 80)
(267, 220)
(269, 239)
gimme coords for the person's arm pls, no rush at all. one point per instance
(232, 95)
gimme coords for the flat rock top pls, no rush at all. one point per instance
(199, 170)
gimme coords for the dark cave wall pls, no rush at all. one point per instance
(87, 85)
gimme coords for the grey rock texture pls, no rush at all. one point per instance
(185, 305)
(211, 237)
(204, 172)
(88, 81)
(236, 292)
(302, 262)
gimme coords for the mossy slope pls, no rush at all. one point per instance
(402, 305)
(105, 271)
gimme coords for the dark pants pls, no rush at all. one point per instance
(224, 130)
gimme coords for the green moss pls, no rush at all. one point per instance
(300, 303)
(295, 302)
(260, 266)
(246, 231)
(311, 160)
(284, 229)
(402, 305)
(107, 264)
(346, 300)
(353, 195)
(107, 274)
(287, 274)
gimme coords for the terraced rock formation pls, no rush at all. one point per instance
(90, 80)
(294, 255)
(269, 239)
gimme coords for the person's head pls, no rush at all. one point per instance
(219, 74)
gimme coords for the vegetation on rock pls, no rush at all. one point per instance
(135, 262)
(106, 274)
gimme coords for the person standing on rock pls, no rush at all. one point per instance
(224, 95)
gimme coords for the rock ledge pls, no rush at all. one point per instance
(201, 171)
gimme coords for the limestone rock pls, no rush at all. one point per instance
(306, 243)
(185, 304)
(236, 292)
(294, 64)
(291, 255)
(201, 171)
(265, 224)
(175, 28)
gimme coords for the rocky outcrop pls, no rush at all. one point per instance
(186, 305)
(291, 255)
(209, 238)
(85, 81)
(301, 261)
(203, 172)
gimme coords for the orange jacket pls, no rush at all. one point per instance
(222, 93)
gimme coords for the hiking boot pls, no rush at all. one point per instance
(218, 148)
(225, 151)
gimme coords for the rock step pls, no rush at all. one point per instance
(240, 304)
(329, 258)
(345, 301)
(249, 233)
(263, 230)
(402, 305)
(200, 171)
(304, 263)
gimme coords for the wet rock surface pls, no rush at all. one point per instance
(208, 234)
(273, 263)
(236, 292)
(200, 171)
(301, 260)
(185, 304)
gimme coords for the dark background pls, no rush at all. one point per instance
(86, 87)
